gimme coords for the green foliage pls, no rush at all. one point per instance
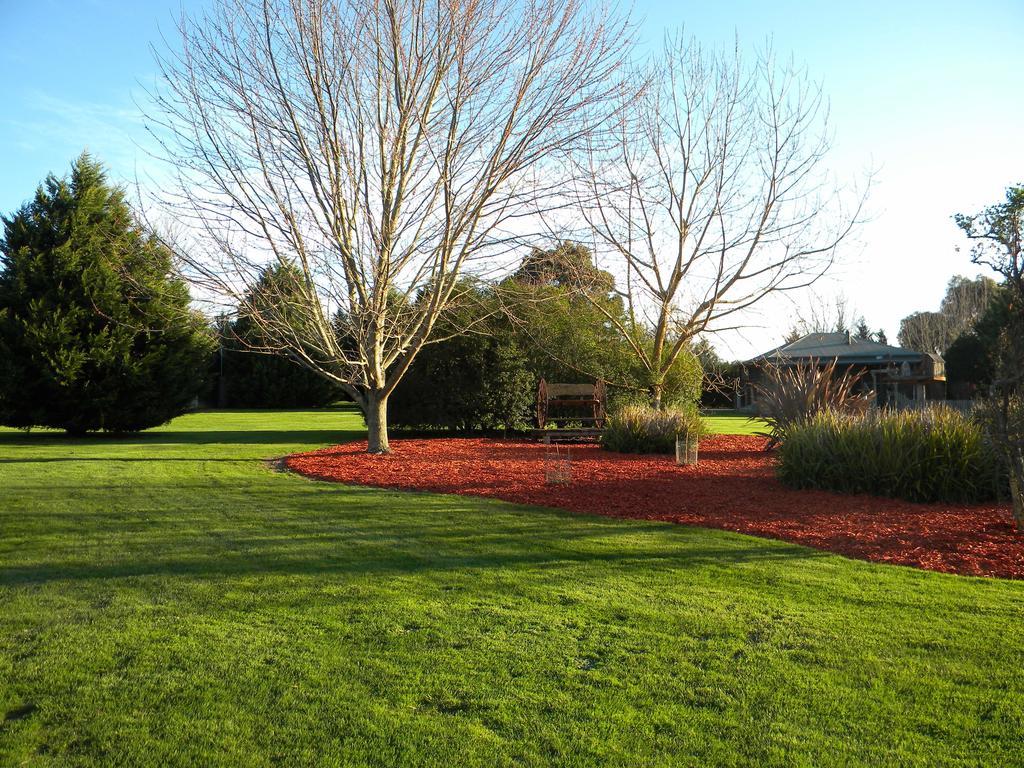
(788, 395)
(999, 414)
(642, 429)
(929, 455)
(255, 380)
(470, 380)
(556, 306)
(549, 320)
(862, 332)
(95, 331)
(568, 265)
(998, 236)
(968, 366)
(559, 305)
(250, 370)
(972, 358)
(681, 387)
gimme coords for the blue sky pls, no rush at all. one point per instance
(927, 93)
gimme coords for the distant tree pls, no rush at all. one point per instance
(972, 359)
(569, 315)
(822, 314)
(557, 301)
(544, 321)
(964, 302)
(256, 372)
(712, 196)
(468, 380)
(968, 366)
(926, 332)
(96, 332)
(568, 265)
(831, 316)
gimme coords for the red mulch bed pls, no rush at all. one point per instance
(732, 487)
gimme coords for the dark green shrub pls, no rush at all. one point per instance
(929, 455)
(254, 380)
(558, 307)
(96, 332)
(548, 320)
(641, 429)
(248, 371)
(470, 380)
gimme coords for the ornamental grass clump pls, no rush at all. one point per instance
(640, 429)
(788, 395)
(929, 455)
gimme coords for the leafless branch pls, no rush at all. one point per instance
(712, 194)
(381, 148)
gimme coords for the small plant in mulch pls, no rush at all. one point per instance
(641, 429)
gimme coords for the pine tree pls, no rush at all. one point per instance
(95, 332)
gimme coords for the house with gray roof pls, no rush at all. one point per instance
(897, 376)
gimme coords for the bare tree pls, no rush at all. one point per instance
(712, 197)
(967, 299)
(822, 314)
(926, 332)
(964, 303)
(377, 147)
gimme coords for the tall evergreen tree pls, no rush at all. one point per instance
(95, 331)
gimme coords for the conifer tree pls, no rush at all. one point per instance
(271, 379)
(96, 333)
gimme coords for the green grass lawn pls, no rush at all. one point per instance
(734, 424)
(169, 600)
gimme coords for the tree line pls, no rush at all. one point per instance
(97, 332)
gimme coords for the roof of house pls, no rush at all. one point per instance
(840, 346)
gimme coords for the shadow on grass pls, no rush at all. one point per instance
(255, 437)
(359, 532)
(224, 437)
(399, 563)
(131, 459)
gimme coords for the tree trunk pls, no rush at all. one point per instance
(377, 423)
(1017, 486)
(656, 390)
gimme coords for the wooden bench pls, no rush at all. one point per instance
(582, 403)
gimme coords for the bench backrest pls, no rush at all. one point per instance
(570, 390)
